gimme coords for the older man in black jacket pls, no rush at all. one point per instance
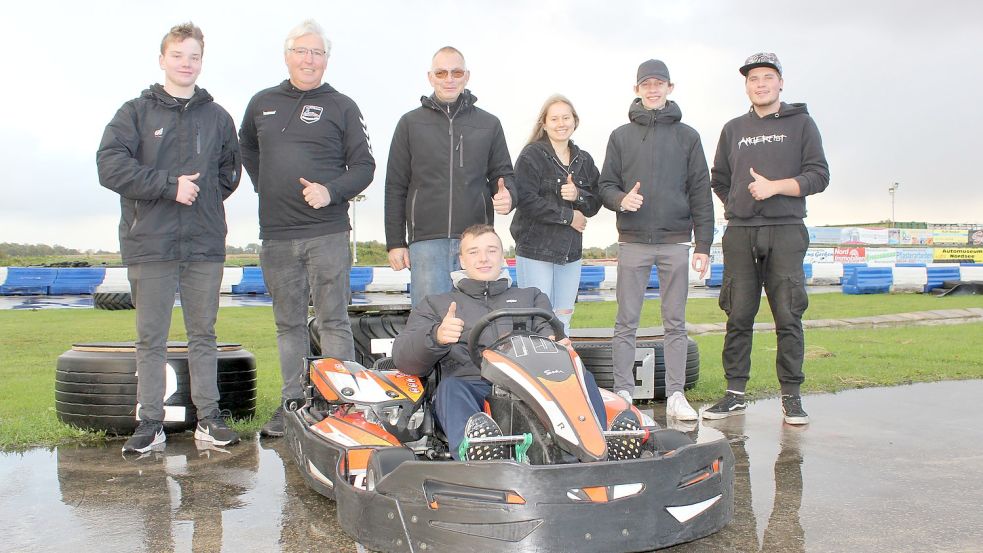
(449, 168)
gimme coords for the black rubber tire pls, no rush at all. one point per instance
(383, 461)
(112, 301)
(597, 358)
(670, 440)
(365, 328)
(95, 386)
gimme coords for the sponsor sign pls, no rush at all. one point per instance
(882, 255)
(914, 255)
(916, 237)
(850, 255)
(819, 255)
(975, 237)
(958, 255)
(948, 237)
(824, 235)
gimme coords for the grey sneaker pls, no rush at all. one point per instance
(147, 435)
(733, 403)
(625, 395)
(273, 427)
(792, 408)
(214, 430)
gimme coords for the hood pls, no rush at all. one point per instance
(546, 147)
(290, 90)
(786, 110)
(157, 93)
(476, 288)
(670, 113)
(464, 101)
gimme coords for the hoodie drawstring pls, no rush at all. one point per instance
(293, 110)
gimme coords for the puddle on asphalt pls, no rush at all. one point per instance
(871, 472)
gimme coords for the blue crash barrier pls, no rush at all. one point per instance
(716, 275)
(28, 281)
(868, 280)
(936, 275)
(653, 278)
(77, 280)
(591, 277)
(252, 282)
(359, 278)
(848, 268)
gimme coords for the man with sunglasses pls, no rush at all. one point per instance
(768, 160)
(307, 151)
(449, 168)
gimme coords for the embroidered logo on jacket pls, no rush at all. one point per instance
(311, 114)
(159, 132)
(761, 139)
(365, 129)
(270, 112)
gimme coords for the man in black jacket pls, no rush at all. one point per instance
(655, 177)
(306, 149)
(433, 336)
(173, 158)
(768, 160)
(449, 168)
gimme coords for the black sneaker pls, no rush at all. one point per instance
(480, 425)
(621, 448)
(147, 435)
(273, 427)
(732, 404)
(214, 430)
(792, 408)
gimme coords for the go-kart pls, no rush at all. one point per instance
(367, 438)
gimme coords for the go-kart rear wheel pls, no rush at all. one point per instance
(383, 461)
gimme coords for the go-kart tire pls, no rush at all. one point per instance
(383, 461)
(365, 328)
(112, 301)
(95, 386)
(597, 358)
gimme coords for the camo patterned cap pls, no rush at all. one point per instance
(761, 59)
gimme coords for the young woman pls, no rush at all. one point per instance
(557, 184)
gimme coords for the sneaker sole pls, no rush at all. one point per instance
(709, 415)
(683, 416)
(203, 437)
(159, 439)
(796, 420)
(271, 433)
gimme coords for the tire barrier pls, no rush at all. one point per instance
(366, 327)
(597, 358)
(95, 386)
(112, 301)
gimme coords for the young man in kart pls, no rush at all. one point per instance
(436, 337)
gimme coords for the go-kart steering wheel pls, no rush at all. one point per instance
(534, 312)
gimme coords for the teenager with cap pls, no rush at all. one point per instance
(768, 160)
(655, 177)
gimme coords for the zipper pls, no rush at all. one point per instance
(450, 178)
(413, 215)
(460, 150)
(197, 138)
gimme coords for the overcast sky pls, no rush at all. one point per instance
(893, 85)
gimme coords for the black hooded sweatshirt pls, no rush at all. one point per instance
(318, 134)
(666, 157)
(785, 144)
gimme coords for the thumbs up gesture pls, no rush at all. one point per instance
(316, 195)
(632, 200)
(451, 328)
(502, 200)
(568, 191)
(187, 190)
(761, 188)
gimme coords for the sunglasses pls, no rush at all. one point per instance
(442, 73)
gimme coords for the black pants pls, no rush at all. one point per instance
(769, 256)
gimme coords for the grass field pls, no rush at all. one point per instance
(836, 359)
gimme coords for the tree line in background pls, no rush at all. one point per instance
(371, 254)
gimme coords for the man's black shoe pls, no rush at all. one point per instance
(733, 403)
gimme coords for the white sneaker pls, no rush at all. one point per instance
(625, 395)
(678, 408)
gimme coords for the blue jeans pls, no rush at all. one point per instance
(431, 265)
(295, 272)
(456, 399)
(560, 283)
(152, 286)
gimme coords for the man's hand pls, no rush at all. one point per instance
(187, 190)
(399, 258)
(761, 188)
(569, 190)
(502, 200)
(451, 328)
(632, 200)
(316, 195)
(579, 222)
(701, 264)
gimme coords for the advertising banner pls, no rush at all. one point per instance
(819, 255)
(850, 255)
(975, 237)
(882, 255)
(958, 255)
(824, 235)
(948, 237)
(916, 237)
(914, 255)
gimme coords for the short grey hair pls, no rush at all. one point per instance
(308, 27)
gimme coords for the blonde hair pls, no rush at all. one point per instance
(538, 130)
(182, 32)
